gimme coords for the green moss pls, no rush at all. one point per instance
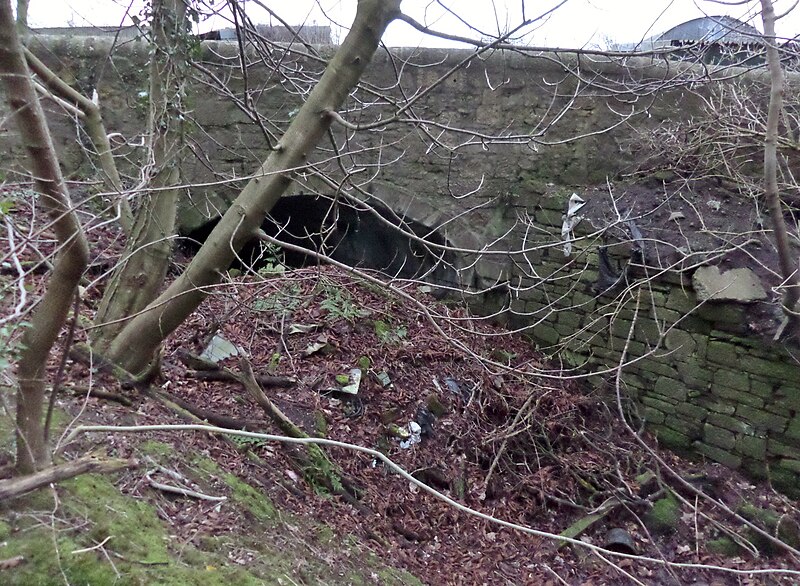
(154, 448)
(664, 516)
(248, 497)
(91, 510)
(724, 546)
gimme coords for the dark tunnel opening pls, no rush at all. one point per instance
(348, 233)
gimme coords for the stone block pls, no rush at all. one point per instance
(693, 373)
(694, 412)
(658, 367)
(671, 388)
(718, 455)
(684, 425)
(777, 448)
(682, 301)
(634, 348)
(723, 315)
(786, 481)
(760, 388)
(672, 439)
(791, 465)
(762, 419)
(646, 331)
(718, 436)
(739, 285)
(732, 379)
(752, 446)
(651, 415)
(716, 406)
(730, 423)
(680, 344)
(570, 318)
(658, 404)
(546, 333)
(549, 217)
(735, 396)
(793, 428)
(721, 352)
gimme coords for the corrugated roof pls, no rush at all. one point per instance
(713, 29)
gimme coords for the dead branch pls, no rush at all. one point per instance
(193, 412)
(264, 380)
(16, 487)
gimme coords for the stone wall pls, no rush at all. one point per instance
(698, 372)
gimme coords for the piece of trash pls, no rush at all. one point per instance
(353, 381)
(398, 432)
(620, 541)
(676, 216)
(414, 438)
(302, 328)
(383, 379)
(571, 219)
(424, 419)
(219, 349)
(321, 345)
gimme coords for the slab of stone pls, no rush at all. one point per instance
(740, 285)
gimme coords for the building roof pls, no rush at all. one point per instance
(713, 29)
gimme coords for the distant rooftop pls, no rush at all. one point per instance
(120, 32)
(713, 29)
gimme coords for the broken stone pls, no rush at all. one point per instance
(740, 285)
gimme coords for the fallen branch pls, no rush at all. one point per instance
(315, 464)
(181, 490)
(224, 375)
(195, 413)
(16, 487)
(11, 563)
(101, 394)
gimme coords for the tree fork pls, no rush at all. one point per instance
(135, 344)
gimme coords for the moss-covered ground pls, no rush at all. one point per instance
(86, 531)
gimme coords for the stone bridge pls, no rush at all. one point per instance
(701, 368)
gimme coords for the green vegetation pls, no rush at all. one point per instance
(92, 534)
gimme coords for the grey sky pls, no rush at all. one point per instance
(577, 23)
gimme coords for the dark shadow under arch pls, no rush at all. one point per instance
(353, 234)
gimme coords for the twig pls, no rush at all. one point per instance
(180, 490)
(94, 547)
(62, 365)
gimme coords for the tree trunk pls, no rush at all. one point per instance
(135, 345)
(93, 122)
(22, 16)
(71, 260)
(140, 275)
(787, 261)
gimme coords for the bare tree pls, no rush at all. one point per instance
(140, 275)
(72, 258)
(788, 262)
(134, 346)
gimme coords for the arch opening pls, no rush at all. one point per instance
(353, 234)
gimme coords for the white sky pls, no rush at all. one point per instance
(577, 23)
